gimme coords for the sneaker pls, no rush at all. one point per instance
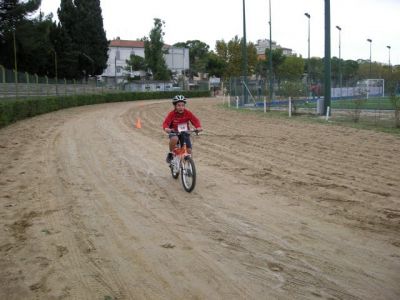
(170, 156)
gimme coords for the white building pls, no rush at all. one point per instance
(262, 45)
(119, 51)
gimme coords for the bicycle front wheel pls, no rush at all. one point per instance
(188, 174)
(174, 171)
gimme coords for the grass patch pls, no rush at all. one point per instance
(365, 122)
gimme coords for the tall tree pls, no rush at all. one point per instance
(136, 62)
(91, 36)
(198, 55)
(277, 59)
(215, 65)
(14, 14)
(231, 54)
(154, 52)
(292, 68)
(82, 39)
(64, 39)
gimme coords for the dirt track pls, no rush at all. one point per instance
(281, 210)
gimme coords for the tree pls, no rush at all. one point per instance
(291, 68)
(91, 37)
(277, 59)
(136, 62)
(316, 69)
(154, 53)
(234, 63)
(34, 44)
(81, 38)
(13, 19)
(198, 55)
(251, 58)
(215, 65)
(13, 12)
(349, 70)
(231, 54)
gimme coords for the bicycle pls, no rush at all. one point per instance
(182, 163)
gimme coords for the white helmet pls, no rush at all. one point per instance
(178, 98)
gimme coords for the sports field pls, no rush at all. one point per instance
(282, 209)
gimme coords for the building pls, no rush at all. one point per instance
(262, 45)
(119, 51)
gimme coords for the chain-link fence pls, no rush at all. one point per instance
(364, 102)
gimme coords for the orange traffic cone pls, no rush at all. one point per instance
(138, 123)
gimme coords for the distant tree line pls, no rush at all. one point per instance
(226, 62)
(75, 47)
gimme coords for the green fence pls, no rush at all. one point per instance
(22, 84)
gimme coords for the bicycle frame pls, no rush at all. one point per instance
(183, 163)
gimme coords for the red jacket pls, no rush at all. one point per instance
(174, 118)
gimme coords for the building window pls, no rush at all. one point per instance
(117, 55)
(119, 69)
(132, 52)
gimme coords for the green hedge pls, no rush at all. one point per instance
(13, 110)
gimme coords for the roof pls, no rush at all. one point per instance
(130, 44)
(125, 43)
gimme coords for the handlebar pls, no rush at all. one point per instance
(186, 131)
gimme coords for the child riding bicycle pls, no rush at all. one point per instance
(178, 120)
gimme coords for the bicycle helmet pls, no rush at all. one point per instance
(178, 98)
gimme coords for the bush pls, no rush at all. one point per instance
(18, 109)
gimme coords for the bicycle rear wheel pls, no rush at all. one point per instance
(188, 174)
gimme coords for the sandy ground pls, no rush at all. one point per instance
(282, 209)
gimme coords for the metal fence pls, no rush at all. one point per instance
(356, 103)
(22, 84)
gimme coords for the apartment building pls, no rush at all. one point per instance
(177, 59)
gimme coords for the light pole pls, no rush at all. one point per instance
(244, 54)
(56, 70)
(389, 56)
(370, 61)
(340, 63)
(271, 85)
(308, 59)
(327, 59)
(15, 65)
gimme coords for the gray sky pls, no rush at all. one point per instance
(211, 20)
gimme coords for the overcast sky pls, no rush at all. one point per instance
(211, 20)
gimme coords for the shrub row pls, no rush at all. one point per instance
(14, 110)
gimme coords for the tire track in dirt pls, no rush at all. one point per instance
(104, 217)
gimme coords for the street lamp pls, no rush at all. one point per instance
(370, 61)
(340, 66)
(389, 55)
(308, 60)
